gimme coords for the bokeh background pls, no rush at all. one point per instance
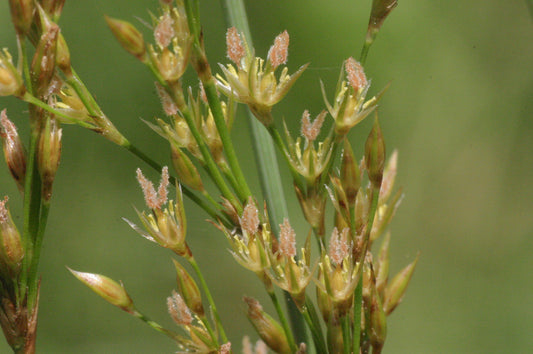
(459, 111)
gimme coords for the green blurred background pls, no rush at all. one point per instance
(459, 111)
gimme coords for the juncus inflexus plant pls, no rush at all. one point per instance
(341, 296)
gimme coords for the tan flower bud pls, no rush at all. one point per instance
(107, 288)
(268, 329)
(187, 172)
(375, 155)
(14, 151)
(10, 80)
(53, 8)
(128, 36)
(22, 15)
(189, 290)
(11, 249)
(396, 288)
(350, 175)
(49, 154)
(380, 10)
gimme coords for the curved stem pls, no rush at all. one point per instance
(205, 288)
(28, 97)
(154, 325)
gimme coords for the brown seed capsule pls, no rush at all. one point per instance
(11, 249)
(22, 15)
(375, 155)
(14, 151)
(49, 154)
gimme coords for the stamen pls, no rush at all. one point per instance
(287, 239)
(278, 53)
(311, 130)
(164, 31)
(235, 46)
(355, 74)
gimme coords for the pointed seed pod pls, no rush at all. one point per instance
(375, 154)
(128, 37)
(382, 268)
(107, 288)
(187, 173)
(397, 287)
(49, 154)
(268, 329)
(380, 10)
(44, 60)
(22, 15)
(189, 290)
(14, 151)
(350, 175)
(11, 249)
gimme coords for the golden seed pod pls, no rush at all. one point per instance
(189, 290)
(128, 36)
(398, 285)
(107, 288)
(11, 249)
(14, 151)
(49, 154)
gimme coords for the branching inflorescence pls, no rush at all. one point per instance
(342, 294)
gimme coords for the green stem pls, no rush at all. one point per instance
(283, 319)
(33, 279)
(210, 164)
(205, 288)
(358, 304)
(345, 325)
(271, 183)
(312, 320)
(154, 325)
(83, 93)
(203, 70)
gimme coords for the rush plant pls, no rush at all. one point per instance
(339, 293)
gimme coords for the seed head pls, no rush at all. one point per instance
(287, 239)
(278, 53)
(355, 74)
(178, 310)
(235, 46)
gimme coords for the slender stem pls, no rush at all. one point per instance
(211, 166)
(33, 282)
(283, 319)
(205, 288)
(203, 70)
(358, 304)
(345, 325)
(271, 183)
(313, 322)
(154, 325)
(83, 93)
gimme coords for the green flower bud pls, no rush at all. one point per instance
(128, 36)
(375, 155)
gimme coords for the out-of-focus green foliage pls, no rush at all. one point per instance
(459, 110)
